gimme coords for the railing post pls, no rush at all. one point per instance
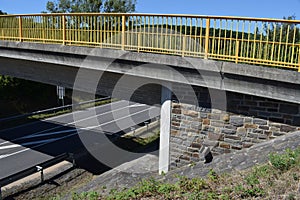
(139, 42)
(299, 61)
(123, 31)
(207, 38)
(64, 29)
(183, 45)
(237, 49)
(20, 29)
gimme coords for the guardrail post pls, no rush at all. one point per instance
(207, 38)
(72, 157)
(64, 29)
(20, 29)
(237, 49)
(40, 169)
(123, 31)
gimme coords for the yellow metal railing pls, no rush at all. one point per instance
(257, 41)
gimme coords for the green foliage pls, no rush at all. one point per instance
(85, 196)
(88, 6)
(2, 13)
(286, 160)
(212, 175)
(193, 185)
(119, 6)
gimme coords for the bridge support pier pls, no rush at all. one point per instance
(165, 128)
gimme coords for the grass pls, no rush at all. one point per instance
(278, 179)
(153, 135)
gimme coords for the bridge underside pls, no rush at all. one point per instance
(216, 104)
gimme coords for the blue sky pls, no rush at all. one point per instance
(248, 8)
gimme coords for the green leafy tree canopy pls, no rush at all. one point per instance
(2, 13)
(88, 6)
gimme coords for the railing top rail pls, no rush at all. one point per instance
(160, 15)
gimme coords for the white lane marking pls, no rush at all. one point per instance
(137, 105)
(87, 128)
(48, 134)
(64, 115)
(10, 146)
(70, 123)
(126, 116)
(3, 156)
(26, 149)
(102, 106)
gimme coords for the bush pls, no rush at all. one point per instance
(284, 162)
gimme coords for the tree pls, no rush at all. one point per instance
(88, 6)
(2, 13)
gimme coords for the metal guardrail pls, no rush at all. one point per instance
(261, 41)
(31, 170)
(51, 110)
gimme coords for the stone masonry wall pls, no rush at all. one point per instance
(247, 120)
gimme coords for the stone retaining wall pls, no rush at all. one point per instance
(247, 120)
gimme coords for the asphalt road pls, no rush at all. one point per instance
(30, 144)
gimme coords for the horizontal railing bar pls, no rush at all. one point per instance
(29, 171)
(158, 15)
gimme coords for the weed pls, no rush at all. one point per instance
(284, 162)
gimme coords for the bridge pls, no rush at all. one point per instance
(233, 81)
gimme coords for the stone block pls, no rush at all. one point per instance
(210, 143)
(176, 111)
(268, 133)
(215, 136)
(206, 122)
(214, 116)
(233, 137)
(203, 115)
(259, 131)
(192, 150)
(196, 155)
(190, 113)
(262, 136)
(241, 130)
(247, 145)
(236, 121)
(176, 105)
(264, 127)
(225, 145)
(286, 128)
(186, 158)
(175, 133)
(232, 141)
(217, 123)
(252, 135)
(253, 126)
(175, 123)
(196, 145)
(228, 131)
(225, 117)
(260, 121)
(236, 147)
